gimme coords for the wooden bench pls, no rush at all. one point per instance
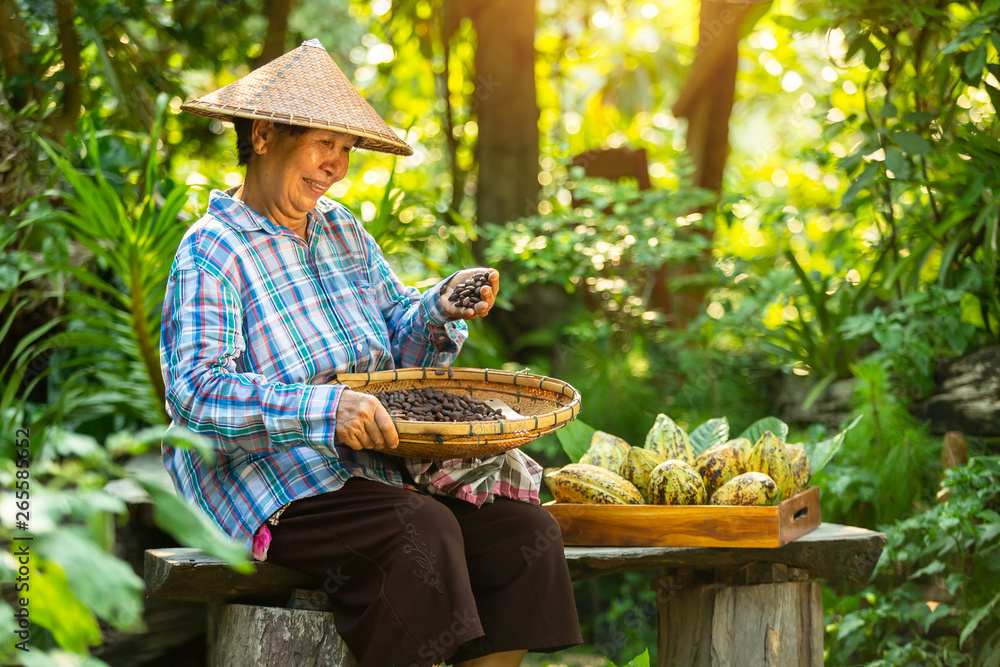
(715, 606)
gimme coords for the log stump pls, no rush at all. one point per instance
(777, 624)
(241, 635)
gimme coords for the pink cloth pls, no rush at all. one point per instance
(261, 541)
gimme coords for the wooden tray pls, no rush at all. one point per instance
(688, 526)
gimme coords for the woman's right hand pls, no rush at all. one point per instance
(362, 423)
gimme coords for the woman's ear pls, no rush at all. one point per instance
(261, 133)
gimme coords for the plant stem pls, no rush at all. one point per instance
(150, 355)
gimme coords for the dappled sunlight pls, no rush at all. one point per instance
(786, 210)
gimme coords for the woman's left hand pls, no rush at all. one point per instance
(487, 294)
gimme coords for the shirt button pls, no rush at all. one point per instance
(360, 347)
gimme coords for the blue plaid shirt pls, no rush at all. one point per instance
(256, 321)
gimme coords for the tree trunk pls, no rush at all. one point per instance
(69, 44)
(276, 12)
(241, 635)
(13, 44)
(707, 103)
(770, 625)
(707, 98)
(506, 110)
(454, 12)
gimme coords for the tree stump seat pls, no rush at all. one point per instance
(715, 606)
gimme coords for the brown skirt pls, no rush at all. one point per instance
(416, 579)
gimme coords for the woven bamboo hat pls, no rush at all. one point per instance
(303, 87)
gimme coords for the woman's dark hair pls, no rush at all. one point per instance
(244, 141)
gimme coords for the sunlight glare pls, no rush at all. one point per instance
(600, 19)
(791, 82)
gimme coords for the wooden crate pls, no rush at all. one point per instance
(688, 526)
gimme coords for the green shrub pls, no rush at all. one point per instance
(936, 592)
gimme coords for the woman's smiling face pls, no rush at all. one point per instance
(296, 170)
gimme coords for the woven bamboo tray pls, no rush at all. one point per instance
(546, 404)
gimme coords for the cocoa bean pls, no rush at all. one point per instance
(467, 294)
(432, 405)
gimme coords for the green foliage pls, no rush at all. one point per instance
(603, 240)
(594, 259)
(816, 339)
(859, 493)
(628, 625)
(927, 167)
(915, 331)
(934, 596)
(912, 92)
(822, 452)
(641, 660)
(104, 345)
(859, 217)
(759, 427)
(575, 439)
(76, 579)
(417, 244)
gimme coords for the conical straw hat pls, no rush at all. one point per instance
(303, 87)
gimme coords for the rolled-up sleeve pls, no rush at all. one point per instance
(201, 346)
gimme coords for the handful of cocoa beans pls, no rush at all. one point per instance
(433, 405)
(466, 295)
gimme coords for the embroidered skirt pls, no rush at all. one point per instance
(416, 579)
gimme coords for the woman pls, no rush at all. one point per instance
(272, 293)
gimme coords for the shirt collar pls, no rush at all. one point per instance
(237, 214)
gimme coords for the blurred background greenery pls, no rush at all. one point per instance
(823, 247)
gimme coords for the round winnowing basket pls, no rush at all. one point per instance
(544, 405)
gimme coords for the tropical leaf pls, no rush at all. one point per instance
(55, 607)
(104, 584)
(641, 660)
(191, 527)
(711, 433)
(135, 234)
(757, 429)
(575, 439)
(981, 614)
(59, 658)
(820, 453)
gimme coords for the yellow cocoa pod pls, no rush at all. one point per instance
(742, 444)
(674, 482)
(750, 488)
(717, 465)
(801, 470)
(669, 440)
(638, 466)
(769, 457)
(606, 451)
(584, 483)
(601, 436)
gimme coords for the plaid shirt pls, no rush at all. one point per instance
(256, 322)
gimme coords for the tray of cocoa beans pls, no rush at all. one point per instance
(736, 493)
(444, 413)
